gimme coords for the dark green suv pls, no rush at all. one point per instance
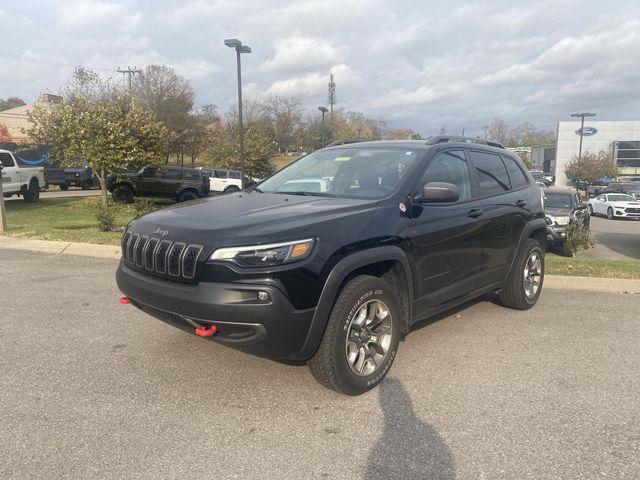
(178, 183)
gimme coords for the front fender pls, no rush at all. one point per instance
(335, 280)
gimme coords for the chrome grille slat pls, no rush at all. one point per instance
(176, 259)
(190, 260)
(139, 248)
(150, 252)
(161, 256)
(131, 247)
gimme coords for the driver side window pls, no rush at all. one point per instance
(451, 167)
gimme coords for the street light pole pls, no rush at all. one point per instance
(237, 44)
(582, 115)
(323, 110)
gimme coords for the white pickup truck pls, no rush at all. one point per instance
(19, 180)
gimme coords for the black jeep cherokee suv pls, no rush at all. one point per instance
(177, 183)
(386, 234)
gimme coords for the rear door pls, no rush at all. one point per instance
(10, 173)
(506, 209)
(447, 237)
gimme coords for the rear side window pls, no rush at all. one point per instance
(234, 174)
(6, 160)
(516, 175)
(220, 173)
(172, 174)
(491, 172)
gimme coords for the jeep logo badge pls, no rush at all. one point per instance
(160, 231)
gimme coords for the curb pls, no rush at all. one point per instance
(556, 282)
(60, 248)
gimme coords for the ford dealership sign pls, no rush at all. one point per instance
(586, 131)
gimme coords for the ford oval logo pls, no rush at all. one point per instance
(162, 232)
(586, 131)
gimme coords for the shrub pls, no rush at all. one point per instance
(105, 217)
(142, 206)
(578, 239)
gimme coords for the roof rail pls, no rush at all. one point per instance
(459, 138)
(344, 142)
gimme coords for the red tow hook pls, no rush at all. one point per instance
(124, 300)
(203, 331)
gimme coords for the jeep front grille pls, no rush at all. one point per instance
(178, 260)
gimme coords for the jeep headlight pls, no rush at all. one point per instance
(269, 255)
(562, 220)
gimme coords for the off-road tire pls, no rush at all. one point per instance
(590, 210)
(122, 194)
(64, 187)
(329, 365)
(186, 196)
(513, 294)
(566, 249)
(86, 185)
(610, 215)
(32, 194)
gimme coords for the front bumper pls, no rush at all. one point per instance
(556, 233)
(272, 328)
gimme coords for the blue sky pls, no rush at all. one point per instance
(415, 64)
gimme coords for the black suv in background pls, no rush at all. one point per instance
(562, 208)
(177, 183)
(630, 188)
(390, 234)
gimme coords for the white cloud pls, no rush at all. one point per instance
(86, 15)
(302, 53)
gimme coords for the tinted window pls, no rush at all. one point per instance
(450, 167)
(516, 175)
(492, 174)
(6, 160)
(234, 174)
(172, 174)
(149, 172)
(220, 173)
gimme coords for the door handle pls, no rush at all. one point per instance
(521, 203)
(475, 213)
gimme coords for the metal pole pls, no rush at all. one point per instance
(580, 148)
(240, 118)
(3, 213)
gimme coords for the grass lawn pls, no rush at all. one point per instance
(66, 219)
(592, 267)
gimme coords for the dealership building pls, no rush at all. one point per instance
(621, 140)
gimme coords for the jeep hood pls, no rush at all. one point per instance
(249, 217)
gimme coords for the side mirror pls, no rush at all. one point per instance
(439, 192)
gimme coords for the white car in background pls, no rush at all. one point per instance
(615, 205)
(223, 181)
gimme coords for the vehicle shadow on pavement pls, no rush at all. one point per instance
(408, 447)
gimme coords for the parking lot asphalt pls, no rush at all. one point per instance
(617, 239)
(94, 389)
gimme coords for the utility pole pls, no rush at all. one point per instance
(128, 73)
(332, 93)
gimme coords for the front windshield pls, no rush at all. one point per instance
(557, 200)
(621, 198)
(348, 172)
